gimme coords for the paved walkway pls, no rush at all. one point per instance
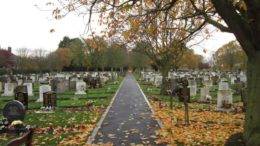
(129, 120)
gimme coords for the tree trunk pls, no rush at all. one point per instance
(252, 120)
(243, 96)
(186, 109)
(164, 73)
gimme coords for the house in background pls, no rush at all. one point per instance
(7, 58)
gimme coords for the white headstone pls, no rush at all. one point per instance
(223, 86)
(29, 88)
(232, 80)
(225, 98)
(243, 77)
(158, 81)
(205, 78)
(9, 89)
(80, 88)
(43, 89)
(204, 94)
(33, 78)
(193, 87)
(67, 77)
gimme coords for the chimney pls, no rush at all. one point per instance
(9, 49)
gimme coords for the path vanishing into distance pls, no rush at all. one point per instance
(129, 120)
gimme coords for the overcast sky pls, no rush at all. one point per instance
(22, 24)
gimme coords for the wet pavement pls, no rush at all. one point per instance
(129, 121)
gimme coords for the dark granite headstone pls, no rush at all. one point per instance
(21, 95)
(49, 99)
(14, 110)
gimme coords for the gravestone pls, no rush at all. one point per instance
(72, 83)
(33, 77)
(243, 77)
(28, 80)
(21, 95)
(9, 89)
(193, 87)
(232, 80)
(224, 99)
(208, 83)
(14, 110)
(158, 81)
(59, 85)
(204, 94)
(50, 99)
(29, 88)
(104, 79)
(114, 76)
(206, 78)
(20, 82)
(43, 89)
(174, 84)
(80, 88)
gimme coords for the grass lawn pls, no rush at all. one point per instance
(71, 119)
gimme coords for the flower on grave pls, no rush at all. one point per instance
(16, 123)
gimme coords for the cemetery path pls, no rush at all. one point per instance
(129, 120)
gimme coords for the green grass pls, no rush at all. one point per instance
(70, 111)
(68, 98)
(61, 117)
